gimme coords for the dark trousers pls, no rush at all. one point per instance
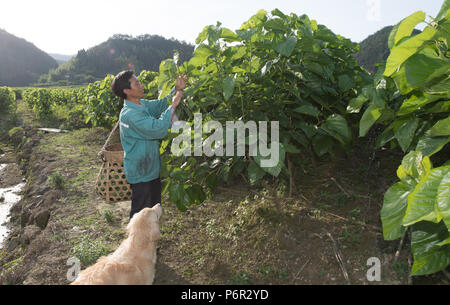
(145, 195)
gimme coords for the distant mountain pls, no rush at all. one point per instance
(21, 62)
(60, 58)
(374, 49)
(120, 52)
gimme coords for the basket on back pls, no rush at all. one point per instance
(111, 182)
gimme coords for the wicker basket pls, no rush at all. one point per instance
(111, 182)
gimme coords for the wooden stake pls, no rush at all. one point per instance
(339, 258)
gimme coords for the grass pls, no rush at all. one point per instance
(109, 216)
(401, 268)
(88, 250)
(241, 278)
(57, 180)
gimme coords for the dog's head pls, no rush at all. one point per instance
(144, 226)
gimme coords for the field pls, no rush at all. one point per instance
(363, 170)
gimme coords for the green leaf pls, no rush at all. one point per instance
(415, 165)
(415, 102)
(238, 167)
(441, 128)
(421, 69)
(257, 19)
(394, 208)
(444, 9)
(370, 116)
(196, 194)
(254, 172)
(275, 24)
(322, 144)
(345, 83)
(275, 170)
(277, 12)
(228, 87)
(246, 34)
(286, 47)
(444, 242)
(308, 109)
(403, 51)
(429, 256)
(228, 35)
(291, 148)
(178, 195)
(201, 53)
(336, 126)
(308, 129)
(428, 146)
(442, 106)
(439, 88)
(405, 133)
(179, 175)
(386, 136)
(404, 28)
(211, 181)
(443, 199)
(356, 104)
(400, 81)
(422, 203)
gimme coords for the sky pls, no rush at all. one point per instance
(66, 26)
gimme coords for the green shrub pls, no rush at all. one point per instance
(88, 251)
(110, 216)
(239, 279)
(7, 98)
(57, 180)
(16, 135)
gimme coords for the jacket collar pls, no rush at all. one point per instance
(133, 105)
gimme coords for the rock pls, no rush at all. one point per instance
(25, 218)
(78, 230)
(41, 218)
(13, 244)
(52, 130)
(51, 197)
(43, 189)
(29, 234)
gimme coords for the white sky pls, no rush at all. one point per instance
(67, 26)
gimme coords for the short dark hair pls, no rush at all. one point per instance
(122, 81)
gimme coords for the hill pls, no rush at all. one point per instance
(21, 62)
(374, 49)
(118, 53)
(60, 58)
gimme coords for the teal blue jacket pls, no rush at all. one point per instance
(141, 128)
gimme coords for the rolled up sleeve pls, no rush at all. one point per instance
(149, 128)
(157, 107)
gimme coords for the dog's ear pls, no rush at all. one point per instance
(154, 224)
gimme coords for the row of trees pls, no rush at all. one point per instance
(118, 53)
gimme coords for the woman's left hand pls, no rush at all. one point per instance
(181, 82)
